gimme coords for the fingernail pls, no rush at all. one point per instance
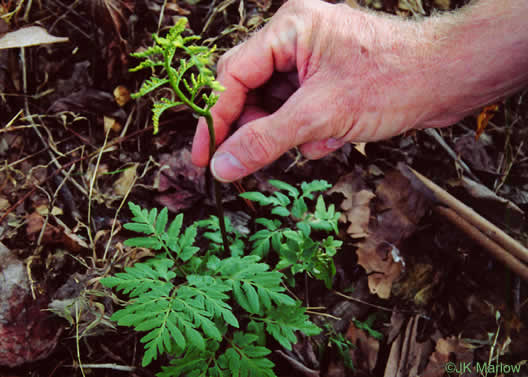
(332, 143)
(226, 168)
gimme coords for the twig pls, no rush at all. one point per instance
(474, 218)
(296, 364)
(496, 250)
(124, 368)
(34, 188)
(435, 135)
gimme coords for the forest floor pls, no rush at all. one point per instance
(411, 293)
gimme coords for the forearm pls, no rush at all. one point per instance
(481, 54)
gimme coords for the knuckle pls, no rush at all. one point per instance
(256, 148)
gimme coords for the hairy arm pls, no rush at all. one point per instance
(481, 54)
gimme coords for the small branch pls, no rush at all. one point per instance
(495, 249)
(435, 135)
(486, 227)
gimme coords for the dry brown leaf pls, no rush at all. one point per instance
(356, 208)
(126, 180)
(29, 36)
(407, 356)
(484, 117)
(399, 210)
(111, 124)
(121, 95)
(382, 263)
(445, 347)
(53, 235)
(180, 182)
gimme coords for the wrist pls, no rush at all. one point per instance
(477, 56)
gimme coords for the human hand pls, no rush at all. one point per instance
(361, 77)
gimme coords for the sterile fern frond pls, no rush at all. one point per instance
(254, 287)
(245, 358)
(282, 323)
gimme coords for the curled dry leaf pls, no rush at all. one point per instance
(356, 206)
(382, 263)
(398, 212)
(126, 180)
(29, 36)
(53, 235)
(121, 95)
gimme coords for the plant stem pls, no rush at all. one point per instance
(205, 112)
(217, 188)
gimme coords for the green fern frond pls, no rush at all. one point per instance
(143, 278)
(252, 284)
(245, 359)
(159, 108)
(149, 86)
(282, 323)
(150, 51)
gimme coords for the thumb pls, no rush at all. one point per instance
(263, 140)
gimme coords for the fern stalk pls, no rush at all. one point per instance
(217, 188)
(199, 58)
(206, 113)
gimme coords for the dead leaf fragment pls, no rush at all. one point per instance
(180, 182)
(356, 206)
(400, 207)
(111, 124)
(382, 263)
(121, 95)
(29, 36)
(484, 117)
(126, 180)
(408, 356)
(444, 348)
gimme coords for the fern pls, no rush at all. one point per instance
(186, 89)
(186, 85)
(296, 249)
(212, 312)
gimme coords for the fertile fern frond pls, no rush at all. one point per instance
(149, 86)
(159, 108)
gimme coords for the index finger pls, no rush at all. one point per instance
(245, 67)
